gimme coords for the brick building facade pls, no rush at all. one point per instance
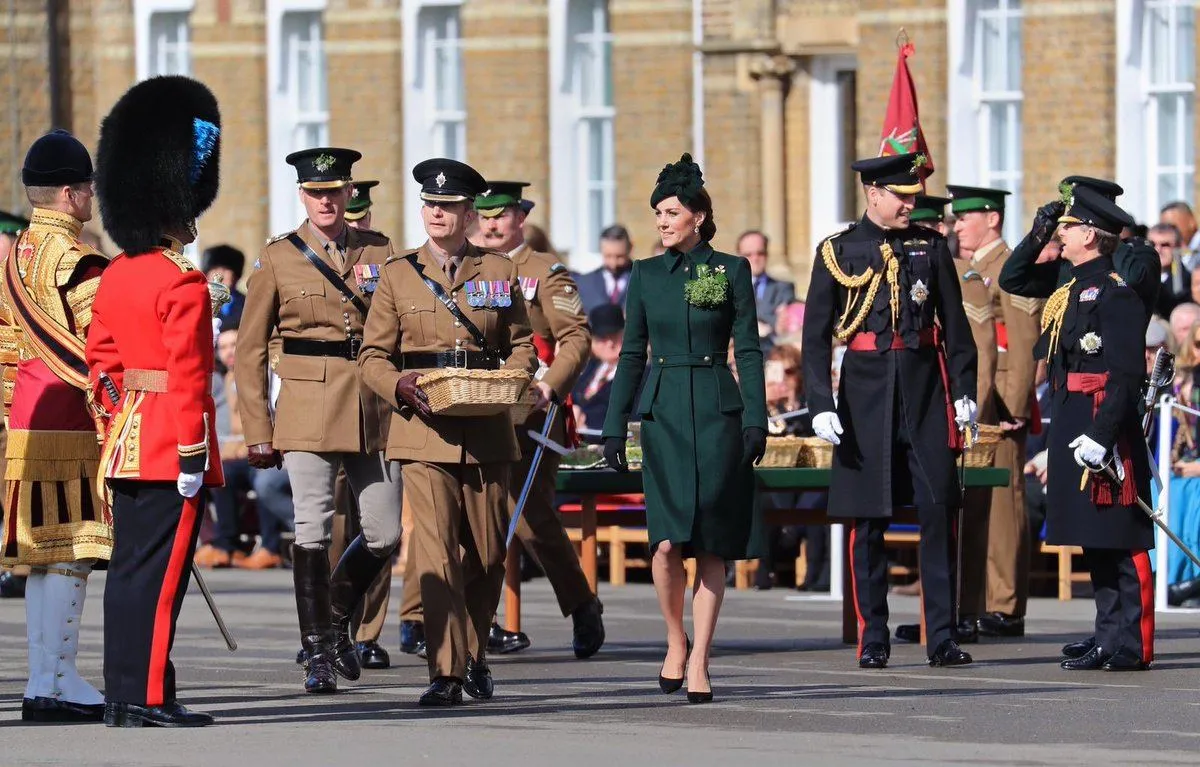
(587, 99)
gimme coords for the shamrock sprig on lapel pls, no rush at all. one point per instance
(709, 290)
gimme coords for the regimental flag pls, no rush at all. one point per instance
(902, 132)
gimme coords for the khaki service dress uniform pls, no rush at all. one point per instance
(455, 469)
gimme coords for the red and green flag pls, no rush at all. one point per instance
(901, 127)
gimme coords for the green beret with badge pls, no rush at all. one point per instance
(360, 200)
(11, 223)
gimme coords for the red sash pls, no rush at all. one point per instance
(1101, 486)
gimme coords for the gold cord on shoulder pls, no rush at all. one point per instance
(854, 285)
(1053, 313)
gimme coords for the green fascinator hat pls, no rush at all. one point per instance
(681, 179)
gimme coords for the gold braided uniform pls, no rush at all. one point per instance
(54, 514)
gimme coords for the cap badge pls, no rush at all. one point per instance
(323, 162)
(354, 193)
(440, 180)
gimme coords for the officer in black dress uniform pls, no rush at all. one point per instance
(879, 286)
(1135, 259)
(1092, 337)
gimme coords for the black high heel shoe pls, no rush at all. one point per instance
(702, 697)
(669, 685)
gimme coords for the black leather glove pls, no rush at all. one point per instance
(412, 395)
(1046, 220)
(614, 453)
(754, 445)
(264, 456)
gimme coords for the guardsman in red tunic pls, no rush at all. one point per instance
(150, 354)
(55, 522)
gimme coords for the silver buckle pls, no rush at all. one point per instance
(355, 344)
(463, 352)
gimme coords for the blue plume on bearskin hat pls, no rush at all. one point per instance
(158, 160)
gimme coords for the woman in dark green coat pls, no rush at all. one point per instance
(700, 434)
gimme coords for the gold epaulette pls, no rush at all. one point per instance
(183, 262)
(853, 284)
(69, 260)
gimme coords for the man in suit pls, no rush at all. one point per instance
(595, 382)
(608, 284)
(769, 293)
(449, 304)
(1174, 278)
(313, 286)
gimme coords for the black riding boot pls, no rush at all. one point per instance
(355, 573)
(310, 570)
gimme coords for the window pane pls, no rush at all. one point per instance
(168, 38)
(997, 128)
(991, 54)
(1013, 69)
(1168, 116)
(1158, 43)
(596, 220)
(1185, 43)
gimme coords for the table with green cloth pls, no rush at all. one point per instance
(588, 484)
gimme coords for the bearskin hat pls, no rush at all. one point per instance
(158, 160)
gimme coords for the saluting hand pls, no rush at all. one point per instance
(412, 395)
(264, 456)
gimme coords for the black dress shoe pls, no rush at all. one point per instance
(967, 631)
(12, 586)
(1125, 660)
(52, 710)
(502, 641)
(445, 691)
(478, 681)
(588, 629)
(319, 676)
(373, 656)
(909, 632)
(168, 715)
(1001, 625)
(1178, 593)
(948, 653)
(670, 684)
(412, 636)
(874, 655)
(1092, 660)
(1078, 649)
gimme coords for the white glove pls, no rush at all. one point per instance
(828, 426)
(1089, 453)
(964, 412)
(189, 484)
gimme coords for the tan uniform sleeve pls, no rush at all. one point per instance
(560, 302)
(1023, 319)
(381, 340)
(978, 308)
(522, 354)
(260, 317)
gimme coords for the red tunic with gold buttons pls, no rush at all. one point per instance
(150, 359)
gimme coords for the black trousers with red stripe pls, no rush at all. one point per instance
(1124, 590)
(869, 576)
(154, 538)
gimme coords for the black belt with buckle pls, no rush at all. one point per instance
(304, 347)
(459, 358)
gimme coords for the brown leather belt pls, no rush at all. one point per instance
(146, 380)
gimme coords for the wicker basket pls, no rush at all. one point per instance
(459, 392)
(982, 451)
(524, 407)
(782, 452)
(815, 453)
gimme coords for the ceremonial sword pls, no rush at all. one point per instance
(543, 441)
(111, 389)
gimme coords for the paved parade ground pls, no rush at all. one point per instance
(786, 693)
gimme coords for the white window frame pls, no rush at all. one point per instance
(421, 118)
(281, 115)
(143, 11)
(825, 136)
(968, 128)
(568, 171)
(1137, 134)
